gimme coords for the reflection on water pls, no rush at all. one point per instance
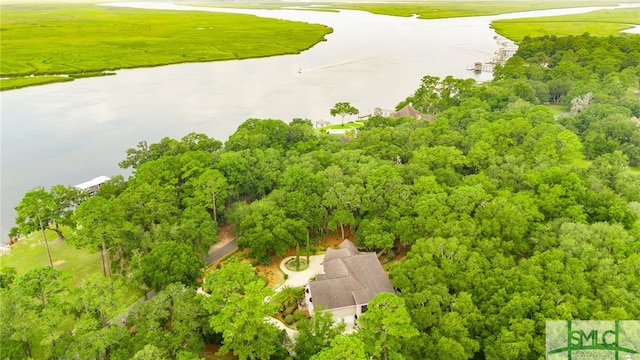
(68, 133)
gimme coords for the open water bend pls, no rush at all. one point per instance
(68, 133)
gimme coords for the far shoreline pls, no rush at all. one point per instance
(15, 81)
(129, 144)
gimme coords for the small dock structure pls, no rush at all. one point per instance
(506, 49)
(92, 186)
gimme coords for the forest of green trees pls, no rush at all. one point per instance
(511, 212)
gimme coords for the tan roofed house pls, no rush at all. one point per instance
(409, 111)
(349, 281)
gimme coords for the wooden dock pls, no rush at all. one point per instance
(506, 49)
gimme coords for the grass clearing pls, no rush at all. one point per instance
(30, 252)
(348, 125)
(557, 109)
(596, 23)
(47, 39)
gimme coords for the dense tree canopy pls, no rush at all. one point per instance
(238, 310)
(509, 215)
(169, 263)
(316, 334)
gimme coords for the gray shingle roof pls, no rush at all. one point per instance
(350, 278)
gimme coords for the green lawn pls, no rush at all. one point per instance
(348, 125)
(596, 23)
(30, 252)
(41, 39)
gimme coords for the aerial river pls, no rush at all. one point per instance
(68, 133)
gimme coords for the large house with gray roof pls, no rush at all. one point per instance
(350, 279)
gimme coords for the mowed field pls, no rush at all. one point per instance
(68, 39)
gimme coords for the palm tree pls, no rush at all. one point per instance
(289, 296)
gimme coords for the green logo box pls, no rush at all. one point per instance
(593, 340)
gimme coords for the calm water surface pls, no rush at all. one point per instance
(71, 132)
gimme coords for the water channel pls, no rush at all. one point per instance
(68, 133)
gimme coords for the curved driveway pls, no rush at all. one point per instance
(301, 278)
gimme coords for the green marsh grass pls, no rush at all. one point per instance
(462, 8)
(91, 74)
(266, 6)
(17, 83)
(83, 38)
(596, 23)
(424, 10)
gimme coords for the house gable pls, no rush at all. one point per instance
(410, 111)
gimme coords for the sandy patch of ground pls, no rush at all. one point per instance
(210, 351)
(272, 272)
(59, 262)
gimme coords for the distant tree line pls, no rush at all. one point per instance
(602, 72)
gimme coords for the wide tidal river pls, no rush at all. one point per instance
(68, 133)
